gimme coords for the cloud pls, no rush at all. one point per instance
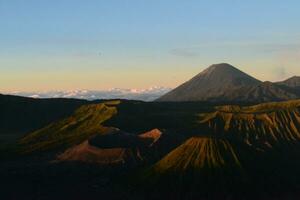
(263, 47)
(183, 52)
(279, 48)
(147, 94)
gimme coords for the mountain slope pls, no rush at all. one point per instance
(232, 152)
(291, 82)
(264, 125)
(200, 168)
(151, 136)
(87, 153)
(21, 115)
(266, 92)
(224, 83)
(211, 84)
(114, 148)
(85, 122)
(199, 153)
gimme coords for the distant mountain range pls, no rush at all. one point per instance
(148, 94)
(225, 83)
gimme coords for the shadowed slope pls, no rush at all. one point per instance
(21, 115)
(85, 121)
(116, 147)
(200, 168)
(87, 153)
(266, 92)
(231, 159)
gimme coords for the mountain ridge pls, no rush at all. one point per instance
(177, 147)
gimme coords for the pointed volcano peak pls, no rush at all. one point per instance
(219, 81)
(221, 77)
(221, 66)
(225, 71)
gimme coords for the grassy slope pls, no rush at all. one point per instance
(200, 168)
(21, 115)
(265, 125)
(199, 153)
(85, 122)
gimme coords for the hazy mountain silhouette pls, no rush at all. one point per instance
(291, 82)
(225, 83)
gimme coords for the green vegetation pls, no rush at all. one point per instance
(260, 108)
(263, 126)
(20, 116)
(85, 122)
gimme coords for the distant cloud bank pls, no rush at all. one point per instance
(148, 94)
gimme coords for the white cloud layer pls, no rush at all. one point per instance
(148, 94)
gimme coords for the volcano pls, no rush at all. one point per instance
(225, 83)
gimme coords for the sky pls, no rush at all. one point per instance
(75, 44)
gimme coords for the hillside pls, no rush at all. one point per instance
(236, 148)
(199, 153)
(291, 82)
(264, 125)
(200, 168)
(87, 153)
(196, 150)
(114, 148)
(151, 137)
(133, 117)
(85, 122)
(20, 115)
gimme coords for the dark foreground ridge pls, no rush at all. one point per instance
(136, 150)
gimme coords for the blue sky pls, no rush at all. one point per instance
(69, 44)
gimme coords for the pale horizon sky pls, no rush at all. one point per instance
(96, 45)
